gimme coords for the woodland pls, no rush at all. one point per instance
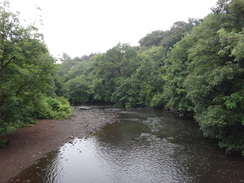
(195, 69)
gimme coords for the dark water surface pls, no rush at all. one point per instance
(145, 146)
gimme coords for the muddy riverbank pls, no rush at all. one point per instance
(31, 143)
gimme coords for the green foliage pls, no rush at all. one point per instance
(26, 76)
(78, 90)
(54, 108)
(175, 74)
(148, 73)
(215, 80)
(195, 69)
(178, 31)
(127, 93)
(119, 62)
(152, 39)
(157, 100)
(167, 39)
(5, 128)
(225, 125)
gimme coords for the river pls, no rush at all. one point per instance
(145, 145)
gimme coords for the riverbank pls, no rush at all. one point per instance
(31, 143)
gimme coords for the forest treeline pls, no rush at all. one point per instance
(195, 69)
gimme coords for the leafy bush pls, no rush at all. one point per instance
(54, 108)
(5, 128)
(157, 100)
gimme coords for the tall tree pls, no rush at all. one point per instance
(175, 73)
(26, 70)
(216, 75)
(110, 68)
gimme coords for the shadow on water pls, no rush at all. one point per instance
(146, 145)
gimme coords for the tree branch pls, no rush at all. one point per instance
(3, 66)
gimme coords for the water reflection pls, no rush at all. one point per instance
(145, 146)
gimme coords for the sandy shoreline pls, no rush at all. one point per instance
(32, 143)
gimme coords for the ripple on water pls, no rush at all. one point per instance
(145, 146)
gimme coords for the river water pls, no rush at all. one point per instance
(144, 146)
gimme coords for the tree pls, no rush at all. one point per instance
(215, 80)
(109, 68)
(175, 73)
(149, 75)
(178, 31)
(127, 93)
(152, 39)
(78, 89)
(26, 72)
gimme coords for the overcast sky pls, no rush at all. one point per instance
(79, 27)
